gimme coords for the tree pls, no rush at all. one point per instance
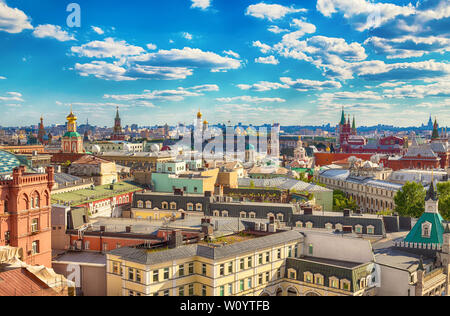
(341, 202)
(444, 199)
(410, 200)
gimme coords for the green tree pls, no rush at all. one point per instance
(444, 199)
(341, 202)
(410, 200)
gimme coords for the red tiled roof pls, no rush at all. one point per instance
(20, 282)
(90, 160)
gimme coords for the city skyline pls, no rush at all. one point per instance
(291, 62)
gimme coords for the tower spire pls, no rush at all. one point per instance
(435, 134)
(343, 117)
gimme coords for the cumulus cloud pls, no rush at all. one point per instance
(152, 46)
(187, 36)
(437, 89)
(13, 20)
(189, 58)
(307, 85)
(270, 60)
(231, 53)
(102, 70)
(174, 95)
(276, 29)
(2, 78)
(250, 99)
(262, 86)
(201, 4)
(264, 48)
(158, 72)
(52, 31)
(108, 48)
(362, 13)
(270, 11)
(98, 30)
(408, 46)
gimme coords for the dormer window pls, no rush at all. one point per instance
(426, 230)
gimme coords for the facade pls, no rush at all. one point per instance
(101, 170)
(25, 214)
(370, 195)
(264, 266)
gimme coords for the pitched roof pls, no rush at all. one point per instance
(20, 282)
(90, 160)
(437, 230)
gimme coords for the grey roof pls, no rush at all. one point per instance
(344, 175)
(423, 151)
(83, 257)
(283, 184)
(62, 178)
(400, 259)
(144, 256)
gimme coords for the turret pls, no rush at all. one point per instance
(435, 134)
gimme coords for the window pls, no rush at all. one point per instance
(310, 249)
(249, 283)
(35, 247)
(222, 291)
(358, 229)
(260, 258)
(222, 270)
(279, 254)
(198, 207)
(318, 279)
(190, 207)
(116, 267)
(181, 291)
(156, 276)
(191, 289)
(130, 293)
(166, 293)
(204, 293)
(191, 268)
(164, 205)
(230, 289)
(204, 269)
(426, 229)
(130, 274)
(296, 251)
(138, 276)
(181, 270)
(267, 256)
(148, 204)
(34, 225)
(334, 283)
(140, 204)
(166, 273)
(173, 206)
(308, 277)
(241, 285)
(249, 262)
(370, 230)
(230, 267)
(242, 264)
(289, 251)
(345, 285)
(292, 274)
(260, 279)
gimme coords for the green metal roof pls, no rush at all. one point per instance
(72, 134)
(437, 230)
(8, 162)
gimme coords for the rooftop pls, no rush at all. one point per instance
(80, 197)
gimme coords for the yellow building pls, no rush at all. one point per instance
(264, 266)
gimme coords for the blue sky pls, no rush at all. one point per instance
(292, 62)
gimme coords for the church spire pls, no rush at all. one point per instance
(354, 123)
(435, 134)
(343, 117)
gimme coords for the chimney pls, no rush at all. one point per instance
(176, 239)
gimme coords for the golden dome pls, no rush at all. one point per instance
(199, 114)
(205, 122)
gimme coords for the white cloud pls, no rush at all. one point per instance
(12, 97)
(187, 36)
(270, 60)
(151, 46)
(276, 29)
(231, 53)
(188, 58)
(98, 30)
(158, 72)
(270, 11)
(174, 95)
(250, 99)
(52, 31)
(262, 86)
(107, 49)
(328, 98)
(102, 70)
(2, 78)
(409, 46)
(13, 20)
(201, 4)
(362, 13)
(264, 48)
(307, 85)
(438, 89)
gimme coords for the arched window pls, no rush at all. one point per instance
(224, 213)
(165, 205)
(148, 204)
(140, 204)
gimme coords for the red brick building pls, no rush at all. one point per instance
(25, 214)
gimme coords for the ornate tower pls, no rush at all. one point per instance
(432, 200)
(72, 142)
(117, 130)
(435, 134)
(41, 132)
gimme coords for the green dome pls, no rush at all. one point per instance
(72, 135)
